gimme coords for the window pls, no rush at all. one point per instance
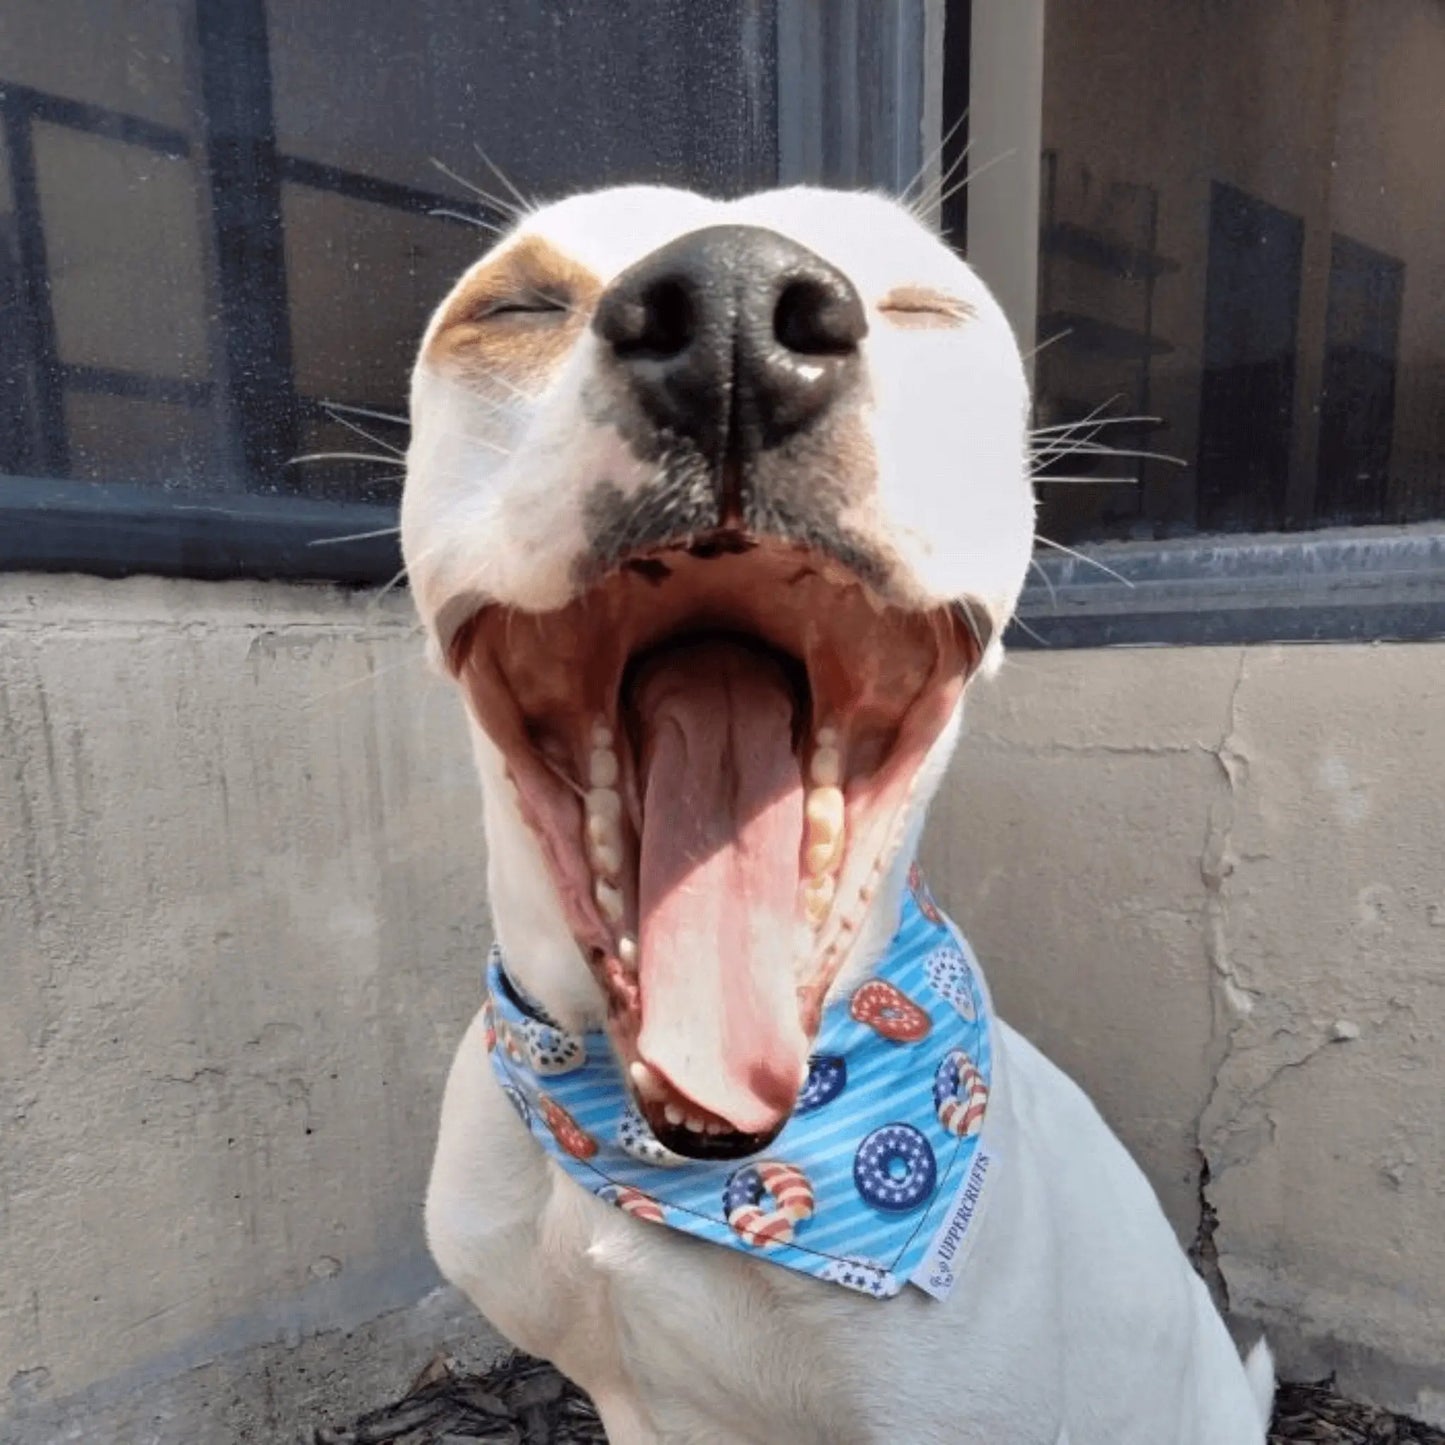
(1240, 245)
(223, 224)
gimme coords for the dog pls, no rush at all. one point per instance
(713, 508)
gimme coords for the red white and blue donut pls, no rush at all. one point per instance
(894, 1169)
(960, 1096)
(634, 1202)
(827, 1078)
(785, 1191)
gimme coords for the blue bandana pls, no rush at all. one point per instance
(878, 1176)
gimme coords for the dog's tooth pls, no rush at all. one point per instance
(825, 767)
(672, 1114)
(602, 769)
(693, 1123)
(627, 950)
(826, 738)
(714, 1127)
(825, 816)
(606, 858)
(609, 900)
(818, 898)
(604, 803)
(601, 735)
(645, 1081)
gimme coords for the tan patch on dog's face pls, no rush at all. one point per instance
(921, 307)
(517, 315)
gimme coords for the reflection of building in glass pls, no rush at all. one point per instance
(1240, 235)
(216, 215)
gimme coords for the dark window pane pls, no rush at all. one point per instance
(221, 225)
(1240, 237)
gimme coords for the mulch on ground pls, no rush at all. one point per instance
(521, 1401)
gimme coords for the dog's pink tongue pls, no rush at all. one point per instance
(718, 883)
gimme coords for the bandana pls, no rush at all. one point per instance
(878, 1176)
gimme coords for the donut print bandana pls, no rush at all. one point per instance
(874, 1182)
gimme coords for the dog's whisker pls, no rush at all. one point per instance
(1093, 420)
(1083, 421)
(1040, 480)
(390, 461)
(948, 194)
(355, 537)
(371, 411)
(446, 213)
(1033, 351)
(361, 431)
(935, 155)
(1083, 557)
(1047, 581)
(503, 207)
(332, 693)
(1101, 449)
(1024, 627)
(526, 202)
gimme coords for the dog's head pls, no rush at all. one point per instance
(712, 509)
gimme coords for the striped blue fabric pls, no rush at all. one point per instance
(882, 1163)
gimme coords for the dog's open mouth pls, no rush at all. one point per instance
(715, 748)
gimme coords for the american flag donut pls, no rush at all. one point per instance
(960, 1096)
(566, 1130)
(894, 1169)
(889, 1011)
(827, 1078)
(748, 1189)
(634, 1202)
(921, 894)
(951, 978)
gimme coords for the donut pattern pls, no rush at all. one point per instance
(951, 978)
(922, 896)
(518, 1101)
(888, 1011)
(568, 1133)
(960, 1096)
(827, 1078)
(886, 1131)
(765, 1202)
(894, 1169)
(636, 1138)
(866, 1276)
(634, 1202)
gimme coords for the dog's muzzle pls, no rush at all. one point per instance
(733, 338)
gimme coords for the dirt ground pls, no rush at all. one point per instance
(524, 1402)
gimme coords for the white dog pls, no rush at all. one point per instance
(713, 509)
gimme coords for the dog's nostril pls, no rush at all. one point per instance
(659, 323)
(814, 318)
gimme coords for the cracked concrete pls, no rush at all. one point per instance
(241, 916)
(1208, 883)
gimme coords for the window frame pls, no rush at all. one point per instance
(1376, 583)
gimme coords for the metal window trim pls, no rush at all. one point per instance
(113, 530)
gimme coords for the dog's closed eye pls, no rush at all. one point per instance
(918, 307)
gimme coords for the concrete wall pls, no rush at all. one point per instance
(241, 928)
(241, 919)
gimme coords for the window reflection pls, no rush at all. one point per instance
(222, 227)
(1240, 237)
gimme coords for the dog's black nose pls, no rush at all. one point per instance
(733, 336)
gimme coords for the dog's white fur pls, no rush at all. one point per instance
(1077, 1317)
